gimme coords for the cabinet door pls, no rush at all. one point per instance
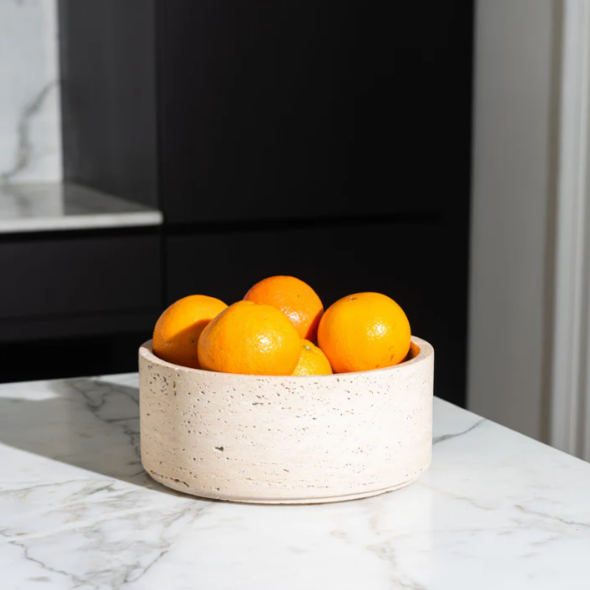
(68, 277)
(422, 267)
(303, 110)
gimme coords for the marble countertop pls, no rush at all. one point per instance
(57, 206)
(496, 511)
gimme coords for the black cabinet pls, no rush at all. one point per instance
(234, 111)
(79, 284)
(326, 140)
(75, 275)
(311, 109)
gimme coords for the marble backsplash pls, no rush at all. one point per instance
(30, 134)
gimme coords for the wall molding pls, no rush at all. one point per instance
(569, 406)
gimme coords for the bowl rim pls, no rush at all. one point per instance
(426, 352)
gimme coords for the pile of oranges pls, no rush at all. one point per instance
(280, 328)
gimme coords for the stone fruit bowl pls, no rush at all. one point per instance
(286, 440)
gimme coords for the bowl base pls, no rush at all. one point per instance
(324, 500)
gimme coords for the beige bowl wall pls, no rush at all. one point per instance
(286, 440)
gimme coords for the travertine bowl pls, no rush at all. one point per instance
(286, 440)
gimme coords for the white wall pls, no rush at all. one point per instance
(514, 179)
(30, 136)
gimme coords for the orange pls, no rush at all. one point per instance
(312, 361)
(251, 339)
(177, 331)
(364, 331)
(296, 299)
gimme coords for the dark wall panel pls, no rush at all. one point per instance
(108, 75)
(312, 109)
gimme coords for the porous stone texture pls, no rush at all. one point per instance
(286, 440)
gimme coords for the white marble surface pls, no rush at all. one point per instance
(30, 136)
(495, 511)
(57, 206)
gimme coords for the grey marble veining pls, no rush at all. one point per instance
(57, 206)
(30, 135)
(496, 511)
